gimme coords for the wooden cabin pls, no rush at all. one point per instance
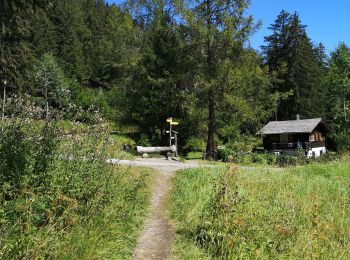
(286, 137)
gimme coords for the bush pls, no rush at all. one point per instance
(328, 157)
(194, 145)
(226, 154)
(260, 158)
(231, 155)
(286, 160)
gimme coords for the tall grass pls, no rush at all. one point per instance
(58, 197)
(293, 213)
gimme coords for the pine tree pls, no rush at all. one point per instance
(45, 33)
(15, 46)
(72, 33)
(338, 83)
(290, 53)
(51, 83)
(248, 101)
(158, 87)
(218, 30)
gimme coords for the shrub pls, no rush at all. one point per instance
(328, 157)
(194, 145)
(260, 158)
(223, 154)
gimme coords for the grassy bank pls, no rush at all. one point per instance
(113, 232)
(300, 212)
(59, 198)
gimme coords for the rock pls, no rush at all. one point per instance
(145, 155)
(126, 147)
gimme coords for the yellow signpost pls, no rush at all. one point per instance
(171, 123)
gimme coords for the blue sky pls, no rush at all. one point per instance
(327, 21)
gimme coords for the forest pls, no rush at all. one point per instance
(80, 80)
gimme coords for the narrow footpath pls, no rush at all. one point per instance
(155, 241)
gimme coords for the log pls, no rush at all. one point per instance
(141, 149)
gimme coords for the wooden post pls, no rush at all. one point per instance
(170, 135)
(175, 137)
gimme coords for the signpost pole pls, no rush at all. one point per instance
(171, 123)
(170, 135)
(176, 152)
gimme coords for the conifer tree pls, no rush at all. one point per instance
(338, 83)
(158, 86)
(290, 53)
(15, 46)
(218, 29)
(72, 33)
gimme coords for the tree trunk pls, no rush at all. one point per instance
(210, 150)
(141, 149)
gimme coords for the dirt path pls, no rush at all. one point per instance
(156, 238)
(157, 235)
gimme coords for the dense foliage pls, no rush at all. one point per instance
(144, 61)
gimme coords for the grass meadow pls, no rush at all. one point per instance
(260, 213)
(60, 199)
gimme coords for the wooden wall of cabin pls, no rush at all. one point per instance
(317, 136)
(317, 139)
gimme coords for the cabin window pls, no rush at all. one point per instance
(312, 138)
(322, 138)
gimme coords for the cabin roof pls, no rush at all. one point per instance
(291, 126)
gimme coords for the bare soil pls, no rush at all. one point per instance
(155, 241)
(157, 235)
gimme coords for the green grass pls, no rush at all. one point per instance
(194, 155)
(60, 199)
(108, 233)
(113, 233)
(294, 213)
(112, 145)
(117, 141)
